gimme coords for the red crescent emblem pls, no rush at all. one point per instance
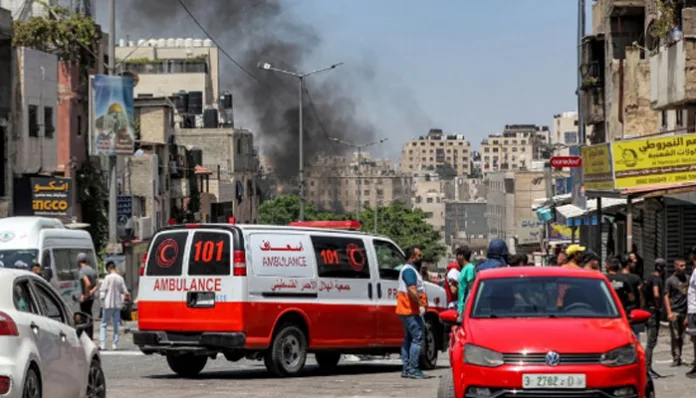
(356, 258)
(167, 252)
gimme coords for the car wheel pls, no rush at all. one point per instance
(428, 359)
(186, 365)
(327, 360)
(32, 385)
(96, 382)
(288, 352)
(446, 387)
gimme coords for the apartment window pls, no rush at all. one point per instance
(680, 117)
(570, 137)
(514, 149)
(49, 129)
(33, 121)
(663, 116)
(366, 192)
(523, 142)
(485, 150)
(429, 200)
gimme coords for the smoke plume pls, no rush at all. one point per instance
(254, 31)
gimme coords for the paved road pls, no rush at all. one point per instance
(131, 374)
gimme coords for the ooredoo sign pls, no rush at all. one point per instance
(561, 162)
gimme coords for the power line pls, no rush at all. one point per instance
(316, 115)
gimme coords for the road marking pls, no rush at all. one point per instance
(121, 353)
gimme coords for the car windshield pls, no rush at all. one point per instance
(544, 297)
(19, 259)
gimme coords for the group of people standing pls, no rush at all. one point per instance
(672, 299)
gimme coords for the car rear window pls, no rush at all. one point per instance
(211, 253)
(341, 257)
(167, 254)
(544, 297)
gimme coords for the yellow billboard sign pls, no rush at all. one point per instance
(597, 173)
(655, 161)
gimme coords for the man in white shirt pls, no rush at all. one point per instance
(112, 293)
(691, 311)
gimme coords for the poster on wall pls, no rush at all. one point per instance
(560, 232)
(113, 127)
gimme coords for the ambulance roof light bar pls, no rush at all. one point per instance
(350, 225)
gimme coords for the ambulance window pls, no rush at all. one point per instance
(341, 257)
(210, 254)
(389, 257)
(167, 254)
(67, 268)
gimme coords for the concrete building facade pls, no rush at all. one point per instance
(6, 59)
(165, 66)
(434, 151)
(466, 223)
(514, 149)
(564, 132)
(429, 196)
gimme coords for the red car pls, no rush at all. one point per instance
(544, 332)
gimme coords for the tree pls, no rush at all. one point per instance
(407, 227)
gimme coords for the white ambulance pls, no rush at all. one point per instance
(274, 293)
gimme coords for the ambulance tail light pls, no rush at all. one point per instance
(239, 263)
(142, 264)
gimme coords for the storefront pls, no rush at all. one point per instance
(656, 177)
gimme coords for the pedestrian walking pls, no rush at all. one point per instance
(562, 258)
(452, 286)
(466, 278)
(88, 280)
(636, 262)
(691, 311)
(677, 286)
(497, 255)
(113, 292)
(411, 303)
(590, 261)
(620, 283)
(654, 300)
(574, 253)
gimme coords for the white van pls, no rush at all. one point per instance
(25, 240)
(274, 293)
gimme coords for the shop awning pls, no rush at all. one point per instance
(654, 191)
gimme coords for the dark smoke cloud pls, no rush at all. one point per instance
(263, 30)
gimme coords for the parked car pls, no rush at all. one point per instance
(43, 350)
(544, 331)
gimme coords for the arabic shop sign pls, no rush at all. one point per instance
(596, 168)
(529, 231)
(655, 161)
(51, 196)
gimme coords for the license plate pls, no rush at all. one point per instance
(201, 299)
(560, 381)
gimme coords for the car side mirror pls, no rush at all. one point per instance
(639, 316)
(450, 318)
(47, 274)
(83, 321)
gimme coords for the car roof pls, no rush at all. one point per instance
(512, 272)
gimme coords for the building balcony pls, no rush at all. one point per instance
(619, 8)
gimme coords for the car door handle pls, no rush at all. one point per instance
(369, 290)
(63, 336)
(379, 290)
(34, 327)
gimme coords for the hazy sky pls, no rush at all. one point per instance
(465, 66)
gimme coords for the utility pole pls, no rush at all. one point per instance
(376, 212)
(300, 76)
(581, 34)
(359, 182)
(113, 186)
(548, 180)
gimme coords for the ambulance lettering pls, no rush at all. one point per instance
(183, 285)
(279, 261)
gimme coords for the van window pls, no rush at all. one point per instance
(67, 268)
(388, 258)
(210, 254)
(19, 259)
(167, 254)
(341, 257)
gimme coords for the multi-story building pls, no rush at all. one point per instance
(332, 183)
(6, 54)
(429, 196)
(564, 132)
(616, 71)
(509, 209)
(466, 223)
(166, 66)
(437, 151)
(514, 149)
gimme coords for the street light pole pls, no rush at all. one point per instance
(359, 172)
(113, 185)
(300, 77)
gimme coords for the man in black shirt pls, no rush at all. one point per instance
(677, 286)
(654, 299)
(637, 287)
(620, 283)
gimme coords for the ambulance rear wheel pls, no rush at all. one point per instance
(327, 360)
(186, 365)
(428, 359)
(288, 352)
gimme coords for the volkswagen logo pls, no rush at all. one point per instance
(552, 358)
